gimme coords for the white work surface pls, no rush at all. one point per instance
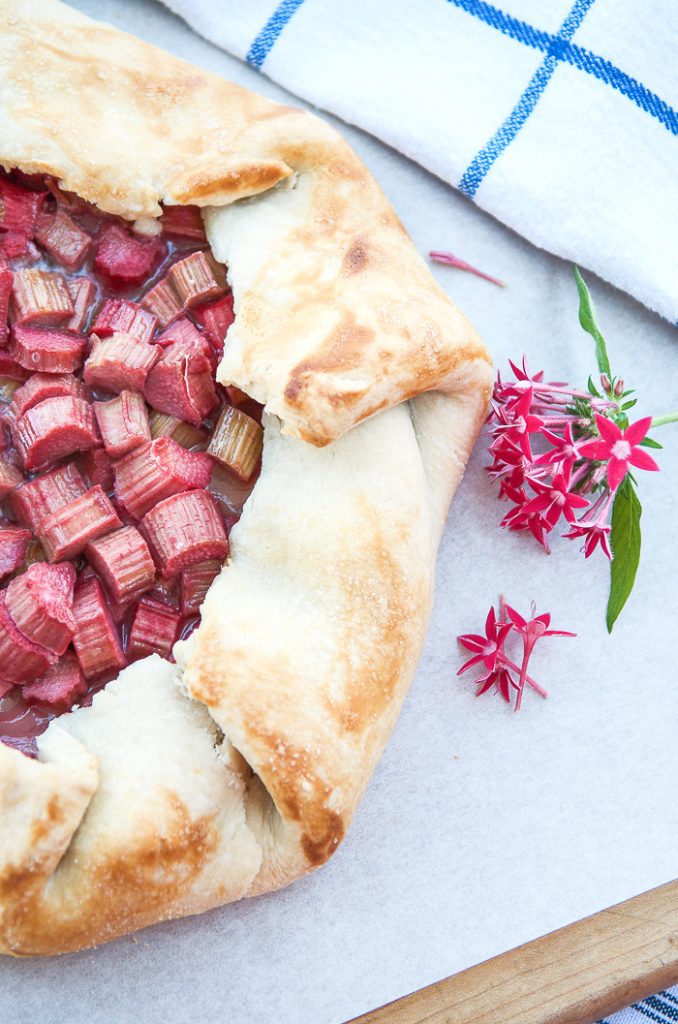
(481, 829)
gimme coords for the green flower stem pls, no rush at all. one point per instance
(669, 417)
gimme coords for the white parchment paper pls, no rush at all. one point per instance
(481, 829)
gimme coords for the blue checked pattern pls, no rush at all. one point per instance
(662, 1009)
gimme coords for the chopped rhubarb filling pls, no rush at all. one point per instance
(63, 239)
(182, 382)
(188, 436)
(123, 423)
(97, 465)
(10, 478)
(124, 260)
(236, 442)
(83, 293)
(53, 429)
(119, 362)
(66, 533)
(59, 687)
(10, 368)
(195, 582)
(96, 639)
(196, 279)
(124, 563)
(40, 299)
(163, 302)
(121, 316)
(13, 543)
(182, 330)
(21, 659)
(183, 222)
(37, 498)
(184, 530)
(49, 351)
(41, 386)
(109, 342)
(6, 278)
(156, 471)
(19, 209)
(216, 318)
(154, 629)
(40, 602)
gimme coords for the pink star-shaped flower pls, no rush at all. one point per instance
(486, 648)
(619, 448)
(554, 499)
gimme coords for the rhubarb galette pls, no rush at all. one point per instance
(234, 409)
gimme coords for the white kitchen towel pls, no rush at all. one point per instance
(559, 117)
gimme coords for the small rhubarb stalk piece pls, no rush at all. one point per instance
(183, 222)
(97, 466)
(155, 471)
(63, 239)
(41, 386)
(10, 368)
(196, 279)
(53, 429)
(183, 330)
(195, 582)
(121, 316)
(19, 209)
(6, 278)
(10, 478)
(188, 436)
(40, 299)
(82, 293)
(154, 630)
(40, 602)
(66, 533)
(123, 423)
(216, 318)
(182, 382)
(236, 442)
(120, 362)
(21, 659)
(96, 639)
(13, 543)
(163, 302)
(46, 494)
(124, 563)
(60, 687)
(184, 530)
(124, 260)
(49, 351)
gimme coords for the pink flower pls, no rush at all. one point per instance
(490, 651)
(517, 422)
(619, 448)
(486, 648)
(565, 449)
(554, 499)
(594, 527)
(532, 630)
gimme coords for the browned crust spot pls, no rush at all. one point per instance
(341, 350)
(357, 257)
(250, 179)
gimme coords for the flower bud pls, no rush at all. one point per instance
(605, 382)
(619, 388)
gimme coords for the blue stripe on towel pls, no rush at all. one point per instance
(557, 48)
(483, 160)
(263, 44)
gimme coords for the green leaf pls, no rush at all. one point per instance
(588, 321)
(649, 442)
(625, 544)
(630, 404)
(593, 390)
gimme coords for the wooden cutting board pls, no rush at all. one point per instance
(576, 975)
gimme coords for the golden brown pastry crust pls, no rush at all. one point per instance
(237, 771)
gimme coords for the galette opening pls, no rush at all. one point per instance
(124, 464)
